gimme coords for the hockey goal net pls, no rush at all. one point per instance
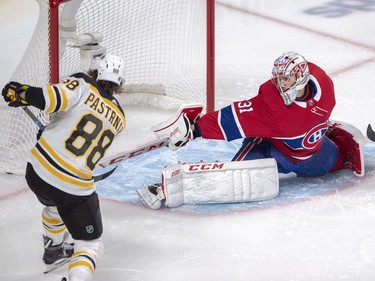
(167, 47)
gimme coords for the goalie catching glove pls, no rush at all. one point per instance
(177, 129)
(12, 94)
(180, 133)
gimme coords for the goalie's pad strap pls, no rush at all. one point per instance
(218, 182)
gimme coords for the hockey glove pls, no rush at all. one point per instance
(11, 93)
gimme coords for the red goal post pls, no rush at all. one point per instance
(167, 46)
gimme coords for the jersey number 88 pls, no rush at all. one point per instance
(87, 132)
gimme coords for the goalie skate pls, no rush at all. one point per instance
(149, 196)
(57, 255)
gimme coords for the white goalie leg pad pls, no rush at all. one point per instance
(218, 182)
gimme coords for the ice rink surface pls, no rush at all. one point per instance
(317, 229)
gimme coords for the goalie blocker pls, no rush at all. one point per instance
(216, 182)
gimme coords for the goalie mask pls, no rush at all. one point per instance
(110, 68)
(290, 74)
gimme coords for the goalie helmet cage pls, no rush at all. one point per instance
(167, 47)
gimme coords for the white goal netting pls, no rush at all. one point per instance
(163, 44)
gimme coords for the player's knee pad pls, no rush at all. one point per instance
(350, 142)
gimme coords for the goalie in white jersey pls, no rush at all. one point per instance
(85, 118)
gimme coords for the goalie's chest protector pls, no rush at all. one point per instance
(296, 130)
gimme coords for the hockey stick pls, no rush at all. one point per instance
(42, 127)
(104, 175)
(192, 111)
(113, 159)
(34, 118)
(370, 133)
(126, 155)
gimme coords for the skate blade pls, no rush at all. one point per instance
(55, 265)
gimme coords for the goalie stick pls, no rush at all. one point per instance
(116, 158)
(370, 133)
(192, 111)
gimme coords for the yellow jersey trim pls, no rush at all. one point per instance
(58, 174)
(62, 163)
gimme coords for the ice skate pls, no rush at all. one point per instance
(57, 255)
(149, 196)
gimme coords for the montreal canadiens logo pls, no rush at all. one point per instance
(314, 136)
